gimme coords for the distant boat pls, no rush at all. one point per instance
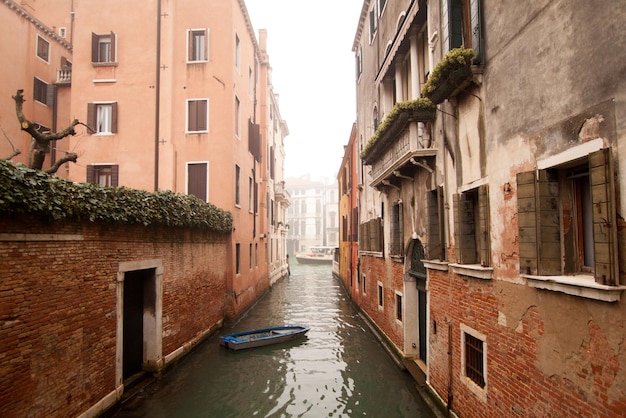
(316, 255)
(262, 337)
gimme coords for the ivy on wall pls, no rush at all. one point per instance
(23, 190)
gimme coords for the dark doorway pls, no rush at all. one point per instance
(133, 336)
(418, 270)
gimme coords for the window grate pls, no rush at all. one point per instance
(474, 363)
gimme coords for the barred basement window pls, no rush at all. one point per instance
(474, 365)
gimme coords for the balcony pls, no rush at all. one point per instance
(450, 76)
(64, 76)
(281, 194)
(402, 140)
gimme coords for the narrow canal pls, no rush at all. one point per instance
(338, 370)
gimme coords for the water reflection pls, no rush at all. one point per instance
(337, 370)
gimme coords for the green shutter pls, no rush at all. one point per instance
(456, 23)
(476, 28)
(601, 176)
(484, 238)
(527, 222)
(549, 224)
(457, 228)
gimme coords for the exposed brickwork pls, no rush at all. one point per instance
(390, 274)
(58, 305)
(584, 379)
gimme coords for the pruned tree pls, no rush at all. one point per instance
(41, 140)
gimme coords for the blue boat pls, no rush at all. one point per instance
(262, 337)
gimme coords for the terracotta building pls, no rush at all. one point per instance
(491, 242)
(171, 97)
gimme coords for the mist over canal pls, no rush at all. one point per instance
(338, 370)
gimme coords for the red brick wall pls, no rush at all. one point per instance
(586, 376)
(390, 273)
(58, 306)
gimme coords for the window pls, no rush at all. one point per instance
(103, 48)
(461, 25)
(567, 221)
(43, 49)
(250, 256)
(373, 19)
(250, 194)
(103, 174)
(381, 6)
(399, 307)
(359, 63)
(471, 226)
(237, 258)
(272, 207)
(364, 284)
(197, 115)
(474, 359)
(396, 246)
(381, 298)
(102, 117)
(197, 45)
(63, 32)
(436, 246)
(237, 116)
(42, 92)
(237, 52)
(250, 82)
(256, 254)
(371, 235)
(198, 180)
(237, 185)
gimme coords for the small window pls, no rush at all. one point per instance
(381, 299)
(373, 20)
(103, 175)
(198, 180)
(436, 248)
(197, 45)
(399, 307)
(461, 25)
(63, 32)
(237, 258)
(43, 49)
(250, 82)
(103, 48)
(102, 117)
(471, 226)
(197, 115)
(237, 52)
(41, 92)
(396, 246)
(237, 117)
(359, 64)
(364, 278)
(474, 356)
(237, 185)
(381, 6)
(250, 256)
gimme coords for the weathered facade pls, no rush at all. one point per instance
(491, 240)
(84, 306)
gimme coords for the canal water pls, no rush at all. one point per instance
(338, 369)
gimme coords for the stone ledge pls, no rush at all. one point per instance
(436, 265)
(473, 270)
(582, 286)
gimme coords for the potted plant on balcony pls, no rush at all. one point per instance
(450, 75)
(419, 110)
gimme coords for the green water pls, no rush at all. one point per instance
(337, 370)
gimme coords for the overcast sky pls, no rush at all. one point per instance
(310, 50)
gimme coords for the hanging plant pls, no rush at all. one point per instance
(449, 74)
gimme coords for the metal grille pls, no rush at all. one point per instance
(474, 365)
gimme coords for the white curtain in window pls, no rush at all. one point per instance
(104, 115)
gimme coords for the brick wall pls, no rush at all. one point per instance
(58, 305)
(548, 354)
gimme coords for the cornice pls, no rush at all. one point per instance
(37, 23)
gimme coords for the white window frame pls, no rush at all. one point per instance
(208, 173)
(237, 117)
(187, 130)
(206, 46)
(99, 114)
(42, 39)
(399, 294)
(481, 393)
(237, 53)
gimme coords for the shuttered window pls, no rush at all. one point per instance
(197, 115)
(461, 26)
(396, 246)
(371, 235)
(103, 48)
(103, 175)
(102, 118)
(471, 227)
(197, 180)
(197, 45)
(567, 219)
(43, 48)
(436, 244)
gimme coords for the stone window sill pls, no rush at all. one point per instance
(436, 265)
(473, 270)
(372, 253)
(582, 285)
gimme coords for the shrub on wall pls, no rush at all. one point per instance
(23, 190)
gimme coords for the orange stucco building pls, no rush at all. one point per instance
(170, 96)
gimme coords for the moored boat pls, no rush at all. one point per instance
(262, 337)
(316, 255)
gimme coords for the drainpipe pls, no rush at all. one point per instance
(157, 107)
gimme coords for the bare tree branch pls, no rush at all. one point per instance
(16, 151)
(69, 157)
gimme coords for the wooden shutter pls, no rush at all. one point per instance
(527, 222)
(91, 174)
(94, 47)
(114, 117)
(197, 180)
(91, 117)
(50, 90)
(476, 28)
(457, 227)
(601, 177)
(113, 44)
(484, 238)
(548, 224)
(455, 26)
(115, 175)
(465, 228)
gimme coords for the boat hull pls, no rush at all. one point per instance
(262, 337)
(310, 260)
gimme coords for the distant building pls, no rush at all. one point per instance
(313, 214)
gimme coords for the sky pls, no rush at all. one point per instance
(309, 45)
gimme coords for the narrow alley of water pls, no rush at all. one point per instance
(338, 370)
